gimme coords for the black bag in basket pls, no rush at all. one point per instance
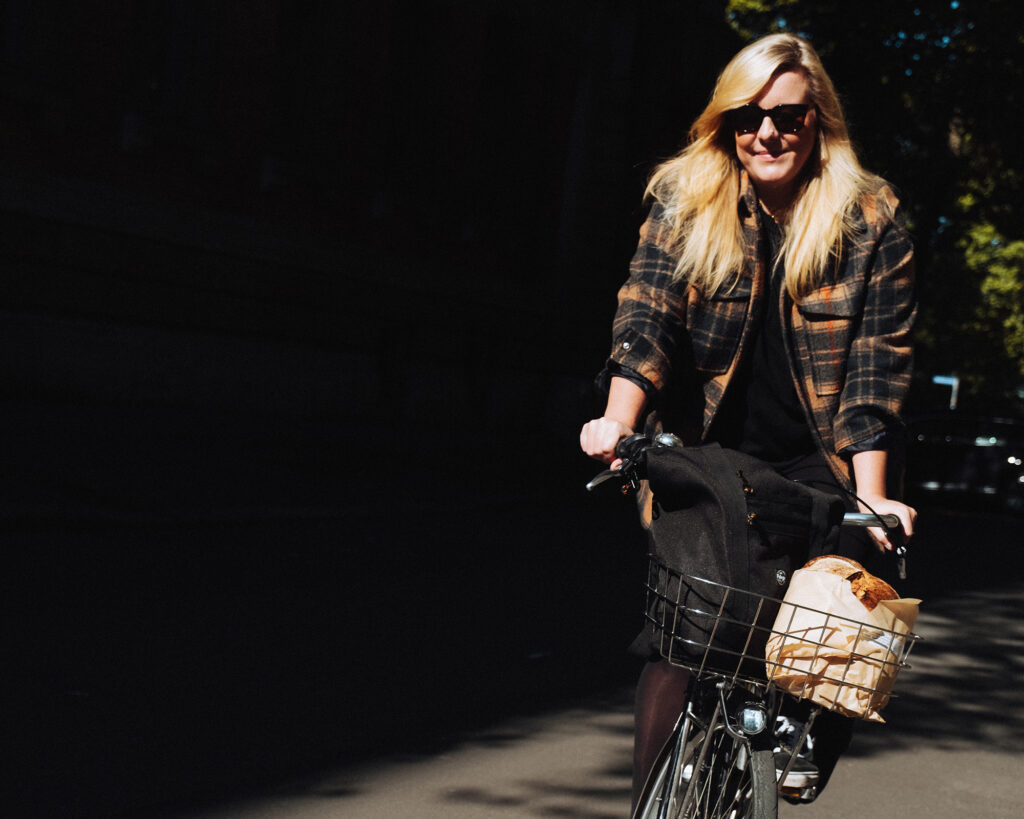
(730, 519)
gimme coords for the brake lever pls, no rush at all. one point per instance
(603, 477)
(898, 538)
(626, 471)
(901, 561)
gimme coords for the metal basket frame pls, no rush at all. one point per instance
(897, 646)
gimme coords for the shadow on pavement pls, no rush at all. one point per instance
(963, 687)
(160, 661)
(571, 761)
(163, 663)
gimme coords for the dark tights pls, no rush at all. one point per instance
(660, 698)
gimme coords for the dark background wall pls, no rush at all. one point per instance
(394, 214)
(300, 306)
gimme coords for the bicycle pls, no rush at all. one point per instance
(720, 760)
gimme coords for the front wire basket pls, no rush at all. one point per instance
(716, 629)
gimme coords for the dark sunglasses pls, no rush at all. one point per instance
(788, 119)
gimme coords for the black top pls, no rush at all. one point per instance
(761, 414)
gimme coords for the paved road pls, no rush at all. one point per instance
(951, 749)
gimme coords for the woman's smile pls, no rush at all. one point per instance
(774, 159)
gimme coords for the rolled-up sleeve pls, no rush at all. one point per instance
(651, 310)
(881, 357)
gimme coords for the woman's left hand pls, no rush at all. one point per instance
(885, 506)
(869, 472)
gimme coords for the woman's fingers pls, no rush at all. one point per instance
(883, 506)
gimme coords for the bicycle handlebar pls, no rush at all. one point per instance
(633, 448)
(869, 519)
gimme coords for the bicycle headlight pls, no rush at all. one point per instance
(753, 718)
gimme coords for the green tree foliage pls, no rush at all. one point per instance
(934, 90)
(997, 264)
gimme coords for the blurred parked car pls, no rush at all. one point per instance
(977, 461)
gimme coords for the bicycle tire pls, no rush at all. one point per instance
(725, 780)
(765, 803)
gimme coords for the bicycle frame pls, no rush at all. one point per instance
(712, 768)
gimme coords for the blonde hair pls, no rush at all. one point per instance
(699, 188)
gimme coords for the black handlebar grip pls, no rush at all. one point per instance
(628, 448)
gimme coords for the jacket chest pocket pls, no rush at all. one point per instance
(830, 316)
(715, 326)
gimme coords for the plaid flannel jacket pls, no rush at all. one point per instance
(848, 341)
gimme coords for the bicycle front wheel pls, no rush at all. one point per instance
(710, 775)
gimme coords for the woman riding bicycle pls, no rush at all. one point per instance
(768, 308)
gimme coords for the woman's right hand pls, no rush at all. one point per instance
(599, 437)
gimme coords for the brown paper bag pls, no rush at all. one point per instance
(827, 647)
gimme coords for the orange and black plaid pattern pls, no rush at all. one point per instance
(848, 341)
